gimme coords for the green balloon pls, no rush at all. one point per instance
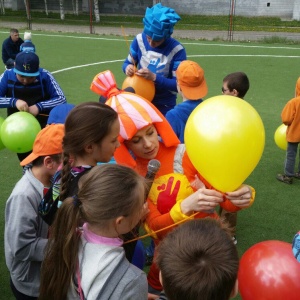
(1, 143)
(18, 132)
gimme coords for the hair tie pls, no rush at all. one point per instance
(76, 201)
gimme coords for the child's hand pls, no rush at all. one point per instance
(21, 105)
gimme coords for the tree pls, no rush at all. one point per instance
(61, 9)
(2, 7)
(46, 7)
(96, 11)
(75, 7)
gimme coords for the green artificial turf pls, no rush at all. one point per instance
(272, 69)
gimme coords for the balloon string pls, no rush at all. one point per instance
(159, 230)
(44, 115)
(125, 38)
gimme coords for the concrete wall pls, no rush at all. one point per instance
(287, 9)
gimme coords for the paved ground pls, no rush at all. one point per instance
(188, 34)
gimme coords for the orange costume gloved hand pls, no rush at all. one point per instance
(166, 198)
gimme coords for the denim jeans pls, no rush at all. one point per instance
(290, 160)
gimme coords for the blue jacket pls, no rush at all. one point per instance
(44, 92)
(10, 49)
(163, 61)
(27, 46)
(178, 116)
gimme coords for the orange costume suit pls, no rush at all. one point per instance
(174, 181)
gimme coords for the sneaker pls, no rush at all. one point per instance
(297, 175)
(234, 239)
(284, 178)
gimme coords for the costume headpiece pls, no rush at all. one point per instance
(134, 113)
(159, 22)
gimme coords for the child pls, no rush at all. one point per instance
(59, 113)
(290, 116)
(91, 136)
(192, 86)
(25, 231)
(27, 46)
(296, 246)
(198, 261)
(91, 263)
(236, 84)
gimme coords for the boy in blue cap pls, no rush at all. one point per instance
(27, 87)
(155, 55)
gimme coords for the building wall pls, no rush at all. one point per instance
(281, 8)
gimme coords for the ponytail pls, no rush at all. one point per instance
(61, 252)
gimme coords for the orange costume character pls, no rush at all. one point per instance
(178, 191)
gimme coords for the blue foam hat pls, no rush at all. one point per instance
(159, 21)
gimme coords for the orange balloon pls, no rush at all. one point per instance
(143, 87)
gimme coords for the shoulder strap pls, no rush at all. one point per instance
(73, 185)
(113, 279)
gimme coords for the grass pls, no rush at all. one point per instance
(187, 22)
(272, 70)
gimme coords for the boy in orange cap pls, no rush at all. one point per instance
(192, 86)
(25, 231)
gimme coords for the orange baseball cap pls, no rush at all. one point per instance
(47, 142)
(190, 78)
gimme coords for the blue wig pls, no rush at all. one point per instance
(159, 22)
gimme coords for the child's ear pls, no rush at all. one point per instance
(89, 148)
(235, 290)
(235, 93)
(48, 162)
(119, 220)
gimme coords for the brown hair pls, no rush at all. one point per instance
(238, 81)
(87, 123)
(198, 260)
(105, 193)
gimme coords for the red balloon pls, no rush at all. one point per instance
(269, 271)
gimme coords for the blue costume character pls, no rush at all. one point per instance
(157, 55)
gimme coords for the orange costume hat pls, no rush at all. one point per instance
(134, 113)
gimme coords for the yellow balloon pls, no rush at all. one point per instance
(224, 139)
(280, 137)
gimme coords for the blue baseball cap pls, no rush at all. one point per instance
(59, 113)
(27, 64)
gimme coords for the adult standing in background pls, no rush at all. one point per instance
(155, 55)
(27, 87)
(10, 48)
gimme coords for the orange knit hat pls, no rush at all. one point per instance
(134, 113)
